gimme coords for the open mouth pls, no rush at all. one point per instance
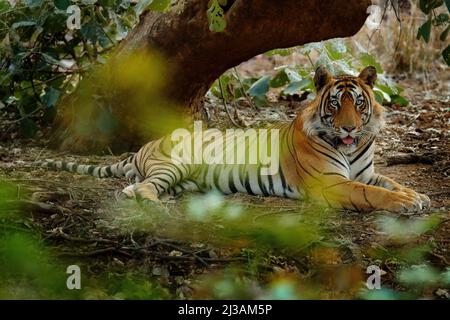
(348, 140)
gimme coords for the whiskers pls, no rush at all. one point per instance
(368, 131)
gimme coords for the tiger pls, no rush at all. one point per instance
(326, 154)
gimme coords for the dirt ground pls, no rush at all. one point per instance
(72, 212)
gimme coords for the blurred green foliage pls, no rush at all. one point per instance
(30, 269)
(260, 236)
(256, 238)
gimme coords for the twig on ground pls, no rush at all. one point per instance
(94, 253)
(53, 182)
(64, 235)
(409, 159)
(243, 90)
(441, 258)
(226, 105)
(38, 206)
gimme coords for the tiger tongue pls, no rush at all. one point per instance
(348, 140)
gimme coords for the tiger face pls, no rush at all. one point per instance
(345, 108)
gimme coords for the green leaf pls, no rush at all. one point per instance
(386, 89)
(398, 99)
(441, 19)
(141, 6)
(50, 60)
(335, 49)
(28, 128)
(50, 97)
(21, 24)
(259, 89)
(279, 80)
(225, 80)
(367, 60)
(297, 87)
(280, 52)
(33, 3)
(446, 55)
(379, 97)
(216, 17)
(427, 5)
(61, 4)
(159, 5)
(292, 75)
(425, 31)
(444, 34)
(93, 32)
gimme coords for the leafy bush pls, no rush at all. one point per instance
(42, 59)
(441, 20)
(338, 55)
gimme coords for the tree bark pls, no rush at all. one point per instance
(196, 56)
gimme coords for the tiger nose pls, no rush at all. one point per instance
(348, 129)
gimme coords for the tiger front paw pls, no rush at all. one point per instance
(422, 198)
(406, 201)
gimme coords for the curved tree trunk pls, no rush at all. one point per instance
(196, 56)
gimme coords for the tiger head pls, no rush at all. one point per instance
(345, 109)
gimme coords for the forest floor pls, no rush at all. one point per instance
(76, 217)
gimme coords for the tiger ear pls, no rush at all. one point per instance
(322, 77)
(369, 75)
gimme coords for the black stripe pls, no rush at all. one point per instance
(271, 184)
(334, 174)
(216, 178)
(108, 171)
(283, 181)
(231, 184)
(377, 180)
(170, 173)
(241, 174)
(165, 172)
(262, 187)
(362, 152)
(367, 200)
(337, 184)
(293, 155)
(353, 204)
(176, 168)
(332, 149)
(91, 170)
(364, 169)
(247, 184)
(332, 158)
(135, 166)
(164, 153)
(164, 180)
(326, 200)
(306, 171)
(158, 187)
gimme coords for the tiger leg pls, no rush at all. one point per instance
(162, 178)
(140, 190)
(348, 194)
(390, 184)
